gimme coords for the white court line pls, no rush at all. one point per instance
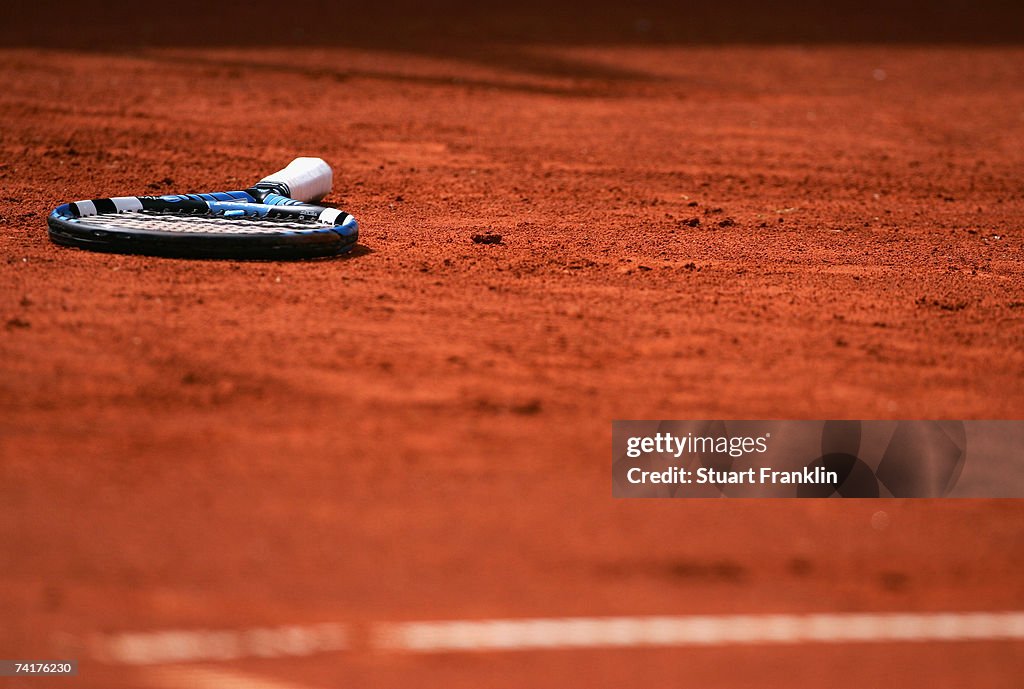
(185, 677)
(175, 647)
(172, 646)
(694, 630)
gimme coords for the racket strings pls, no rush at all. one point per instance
(204, 224)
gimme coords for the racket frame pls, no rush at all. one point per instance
(283, 227)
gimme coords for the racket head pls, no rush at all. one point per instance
(228, 225)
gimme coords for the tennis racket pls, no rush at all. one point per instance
(274, 219)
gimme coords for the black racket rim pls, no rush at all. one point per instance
(324, 242)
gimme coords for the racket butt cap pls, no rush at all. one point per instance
(304, 179)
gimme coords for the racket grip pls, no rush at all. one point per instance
(305, 179)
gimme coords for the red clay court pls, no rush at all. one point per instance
(254, 474)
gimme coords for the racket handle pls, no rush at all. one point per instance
(305, 179)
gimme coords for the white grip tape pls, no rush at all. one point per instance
(308, 179)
